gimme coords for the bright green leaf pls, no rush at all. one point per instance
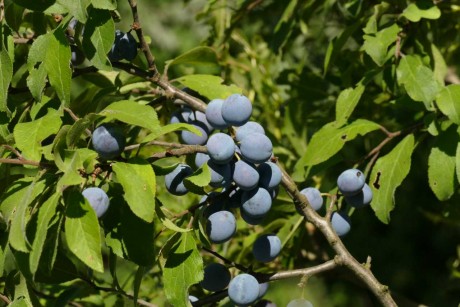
(105, 4)
(45, 215)
(448, 102)
(6, 69)
(387, 174)
(171, 128)
(347, 101)
(139, 182)
(73, 162)
(20, 217)
(28, 136)
(198, 180)
(82, 231)
(418, 80)
(440, 66)
(98, 38)
(209, 86)
(77, 8)
(377, 46)
(133, 113)
(183, 267)
(422, 9)
(330, 139)
(57, 64)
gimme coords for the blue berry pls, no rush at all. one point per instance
(214, 114)
(314, 197)
(216, 277)
(243, 289)
(245, 175)
(270, 175)
(362, 199)
(340, 223)
(248, 128)
(266, 248)
(98, 200)
(351, 181)
(221, 148)
(108, 141)
(236, 110)
(256, 203)
(256, 148)
(221, 226)
(174, 181)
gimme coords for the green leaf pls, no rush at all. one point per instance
(330, 139)
(74, 161)
(422, 9)
(387, 174)
(36, 5)
(104, 4)
(196, 182)
(98, 38)
(197, 56)
(77, 8)
(6, 68)
(171, 128)
(165, 221)
(440, 66)
(377, 46)
(45, 214)
(17, 238)
(28, 136)
(448, 102)
(139, 182)
(347, 101)
(441, 164)
(82, 231)
(130, 112)
(209, 86)
(57, 64)
(417, 79)
(183, 267)
(36, 81)
(78, 128)
(130, 238)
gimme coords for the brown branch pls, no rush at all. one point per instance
(2, 10)
(5, 298)
(21, 162)
(144, 46)
(75, 118)
(381, 292)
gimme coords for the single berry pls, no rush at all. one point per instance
(221, 226)
(214, 114)
(216, 277)
(351, 181)
(314, 197)
(256, 148)
(98, 200)
(243, 289)
(236, 110)
(362, 199)
(108, 141)
(340, 223)
(221, 148)
(245, 175)
(248, 128)
(266, 248)
(270, 175)
(174, 181)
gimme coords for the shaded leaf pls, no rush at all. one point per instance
(387, 174)
(6, 68)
